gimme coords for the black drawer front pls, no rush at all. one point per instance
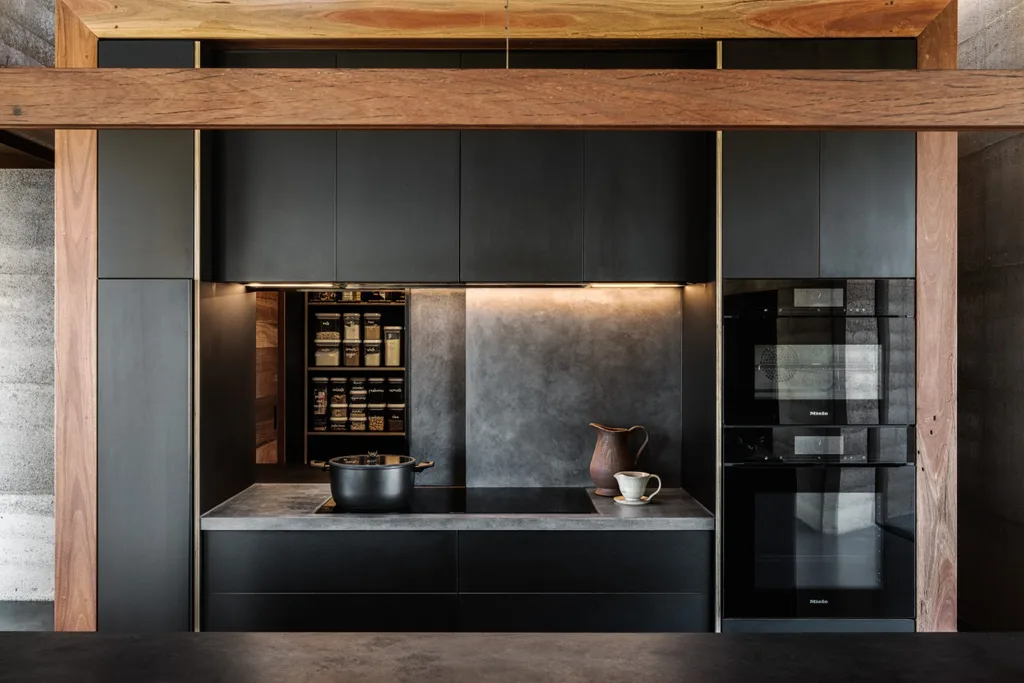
(599, 613)
(329, 612)
(585, 562)
(330, 561)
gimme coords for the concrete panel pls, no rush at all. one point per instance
(26, 438)
(26, 33)
(437, 384)
(26, 222)
(543, 363)
(26, 547)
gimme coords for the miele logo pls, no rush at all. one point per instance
(819, 413)
(818, 601)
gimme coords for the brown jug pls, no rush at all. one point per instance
(612, 455)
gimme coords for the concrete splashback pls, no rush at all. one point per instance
(543, 363)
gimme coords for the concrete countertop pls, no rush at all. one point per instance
(292, 507)
(510, 658)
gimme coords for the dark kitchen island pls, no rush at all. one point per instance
(505, 658)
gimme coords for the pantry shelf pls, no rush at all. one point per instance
(342, 368)
(367, 433)
(357, 303)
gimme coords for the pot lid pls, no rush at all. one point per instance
(373, 460)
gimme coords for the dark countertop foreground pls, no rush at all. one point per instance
(503, 658)
(292, 507)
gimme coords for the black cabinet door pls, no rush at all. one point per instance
(770, 204)
(868, 204)
(398, 206)
(647, 206)
(522, 206)
(339, 612)
(274, 193)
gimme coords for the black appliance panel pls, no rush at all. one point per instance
(773, 298)
(819, 371)
(818, 445)
(818, 542)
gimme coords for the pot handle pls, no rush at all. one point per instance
(423, 465)
(320, 465)
(647, 437)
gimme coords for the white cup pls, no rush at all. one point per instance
(633, 484)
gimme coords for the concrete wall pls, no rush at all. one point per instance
(991, 339)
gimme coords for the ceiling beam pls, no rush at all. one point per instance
(531, 99)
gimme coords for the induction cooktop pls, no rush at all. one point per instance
(448, 500)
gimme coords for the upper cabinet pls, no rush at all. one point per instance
(807, 204)
(522, 206)
(274, 192)
(647, 206)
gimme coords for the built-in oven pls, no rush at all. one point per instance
(818, 528)
(820, 352)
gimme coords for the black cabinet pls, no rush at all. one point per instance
(770, 204)
(398, 206)
(345, 612)
(522, 206)
(647, 206)
(274, 193)
(868, 204)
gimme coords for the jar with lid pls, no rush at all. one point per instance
(339, 424)
(396, 390)
(328, 327)
(392, 346)
(350, 326)
(371, 326)
(351, 295)
(357, 398)
(327, 355)
(371, 354)
(375, 416)
(351, 354)
(357, 424)
(357, 383)
(396, 417)
(375, 390)
(355, 413)
(323, 296)
(319, 398)
(339, 397)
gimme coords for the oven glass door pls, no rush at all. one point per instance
(818, 542)
(827, 371)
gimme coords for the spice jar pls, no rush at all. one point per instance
(327, 355)
(350, 326)
(371, 354)
(319, 402)
(357, 398)
(375, 390)
(375, 417)
(351, 295)
(339, 424)
(351, 354)
(396, 390)
(357, 424)
(328, 327)
(396, 417)
(371, 326)
(392, 346)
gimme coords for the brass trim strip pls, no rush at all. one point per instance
(718, 368)
(196, 293)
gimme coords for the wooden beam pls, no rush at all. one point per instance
(75, 359)
(937, 350)
(462, 19)
(496, 98)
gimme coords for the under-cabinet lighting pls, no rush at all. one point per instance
(634, 285)
(292, 285)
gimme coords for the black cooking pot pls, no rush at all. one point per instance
(372, 482)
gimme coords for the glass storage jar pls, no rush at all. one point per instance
(339, 424)
(351, 354)
(371, 326)
(396, 417)
(357, 383)
(351, 295)
(318, 404)
(327, 355)
(357, 398)
(319, 423)
(375, 390)
(350, 326)
(355, 413)
(323, 296)
(371, 354)
(357, 424)
(328, 327)
(396, 390)
(392, 346)
(375, 417)
(339, 397)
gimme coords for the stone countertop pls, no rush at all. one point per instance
(292, 507)
(509, 658)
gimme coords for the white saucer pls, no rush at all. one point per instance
(621, 500)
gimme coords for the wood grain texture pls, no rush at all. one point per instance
(75, 255)
(496, 98)
(937, 352)
(461, 19)
(267, 369)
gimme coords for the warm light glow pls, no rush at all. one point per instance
(634, 285)
(292, 285)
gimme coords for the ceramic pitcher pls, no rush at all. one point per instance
(612, 455)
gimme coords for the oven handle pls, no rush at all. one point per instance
(781, 465)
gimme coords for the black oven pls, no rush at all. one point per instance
(821, 352)
(804, 542)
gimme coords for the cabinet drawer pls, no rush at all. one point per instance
(329, 612)
(329, 561)
(585, 562)
(579, 613)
